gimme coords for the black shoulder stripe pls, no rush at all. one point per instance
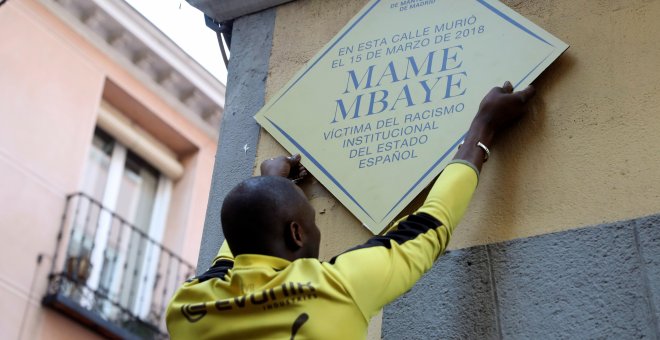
(408, 229)
(218, 270)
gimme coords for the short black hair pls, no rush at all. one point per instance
(256, 213)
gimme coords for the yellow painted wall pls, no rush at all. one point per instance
(587, 153)
(590, 150)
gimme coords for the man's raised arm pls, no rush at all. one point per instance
(387, 266)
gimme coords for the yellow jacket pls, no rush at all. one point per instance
(264, 297)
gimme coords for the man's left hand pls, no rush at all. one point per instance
(282, 166)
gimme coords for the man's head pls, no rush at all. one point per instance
(269, 215)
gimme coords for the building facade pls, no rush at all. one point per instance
(562, 239)
(108, 133)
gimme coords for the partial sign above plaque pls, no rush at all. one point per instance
(380, 110)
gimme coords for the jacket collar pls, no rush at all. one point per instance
(255, 260)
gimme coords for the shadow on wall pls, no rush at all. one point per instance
(522, 141)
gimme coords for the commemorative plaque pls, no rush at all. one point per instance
(380, 110)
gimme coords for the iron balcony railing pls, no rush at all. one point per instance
(112, 276)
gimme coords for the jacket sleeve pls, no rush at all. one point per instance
(387, 266)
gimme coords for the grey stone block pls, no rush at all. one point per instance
(580, 284)
(252, 39)
(648, 229)
(454, 300)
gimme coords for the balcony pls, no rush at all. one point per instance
(110, 275)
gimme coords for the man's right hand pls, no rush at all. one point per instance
(499, 108)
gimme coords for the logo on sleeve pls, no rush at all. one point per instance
(193, 313)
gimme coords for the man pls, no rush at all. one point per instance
(276, 287)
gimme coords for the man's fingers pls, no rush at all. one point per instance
(526, 94)
(507, 87)
(297, 169)
(294, 159)
(301, 167)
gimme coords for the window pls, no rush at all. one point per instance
(129, 187)
(114, 274)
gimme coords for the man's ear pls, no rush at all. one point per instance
(296, 234)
